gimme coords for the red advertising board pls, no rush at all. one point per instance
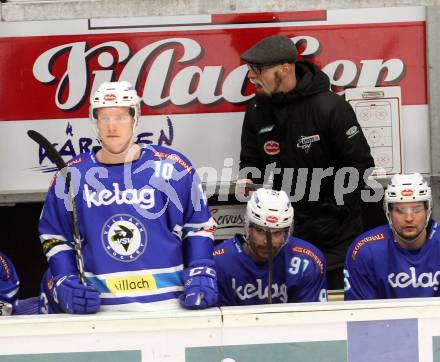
(197, 71)
(190, 77)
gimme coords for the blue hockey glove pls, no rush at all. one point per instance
(74, 297)
(9, 285)
(200, 280)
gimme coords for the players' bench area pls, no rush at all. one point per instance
(405, 330)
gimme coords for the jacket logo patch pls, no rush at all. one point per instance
(352, 131)
(305, 142)
(266, 129)
(272, 148)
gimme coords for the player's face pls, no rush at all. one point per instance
(267, 81)
(115, 127)
(408, 219)
(258, 242)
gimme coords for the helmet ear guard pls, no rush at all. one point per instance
(407, 188)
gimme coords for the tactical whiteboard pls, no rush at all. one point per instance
(378, 111)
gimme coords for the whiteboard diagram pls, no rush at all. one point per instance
(378, 113)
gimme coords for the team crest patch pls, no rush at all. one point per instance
(305, 142)
(124, 237)
(272, 148)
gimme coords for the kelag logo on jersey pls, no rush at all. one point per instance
(143, 197)
(414, 280)
(124, 237)
(258, 291)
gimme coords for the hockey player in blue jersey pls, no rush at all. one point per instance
(402, 259)
(242, 261)
(143, 217)
(9, 287)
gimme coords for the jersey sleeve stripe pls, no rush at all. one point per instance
(56, 249)
(123, 274)
(141, 294)
(44, 237)
(203, 233)
(12, 293)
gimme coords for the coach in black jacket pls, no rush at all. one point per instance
(296, 123)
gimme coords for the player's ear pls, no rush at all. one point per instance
(286, 69)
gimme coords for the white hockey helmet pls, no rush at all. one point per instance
(407, 188)
(115, 94)
(269, 209)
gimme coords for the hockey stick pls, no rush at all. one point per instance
(55, 157)
(270, 264)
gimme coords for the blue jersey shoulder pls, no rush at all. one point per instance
(78, 162)
(226, 250)
(374, 239)
(303, 248)
(179, 161)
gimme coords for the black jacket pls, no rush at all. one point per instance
(308, 129)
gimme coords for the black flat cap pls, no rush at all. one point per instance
(276, 49)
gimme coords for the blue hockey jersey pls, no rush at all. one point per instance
(298, 274)
(376, 267)
(9, 286)
(141, 223)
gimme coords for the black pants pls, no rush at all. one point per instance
(335, 279)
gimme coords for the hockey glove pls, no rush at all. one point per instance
(200, 279)
(74, 297)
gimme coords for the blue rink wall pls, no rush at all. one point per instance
(380, 331)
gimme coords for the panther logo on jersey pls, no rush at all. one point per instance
(124, 237)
